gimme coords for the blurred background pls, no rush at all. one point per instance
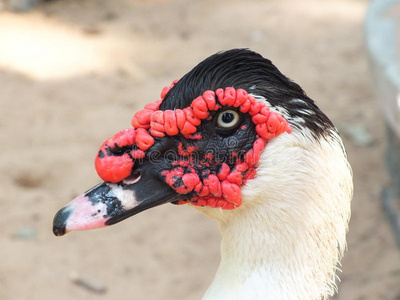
(72, 73)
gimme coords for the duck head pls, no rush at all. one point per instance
(202, 144)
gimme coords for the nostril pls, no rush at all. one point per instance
(133, 178)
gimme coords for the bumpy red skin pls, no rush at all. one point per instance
(188, 176)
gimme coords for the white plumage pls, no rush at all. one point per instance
(286, 239)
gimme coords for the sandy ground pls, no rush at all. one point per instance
(72, 73)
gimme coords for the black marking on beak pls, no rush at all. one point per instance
(60, 221)
(141, 207)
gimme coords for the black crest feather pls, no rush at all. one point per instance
(248, 70)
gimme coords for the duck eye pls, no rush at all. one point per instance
(228, 119)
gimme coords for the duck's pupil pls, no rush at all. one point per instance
(227, 117)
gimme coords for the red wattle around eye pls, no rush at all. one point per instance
(222, 189)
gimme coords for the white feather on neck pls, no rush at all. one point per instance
(286, 239)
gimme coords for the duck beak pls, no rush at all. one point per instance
(110, 203)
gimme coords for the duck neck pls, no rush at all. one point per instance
(287, 237)
(262, 260)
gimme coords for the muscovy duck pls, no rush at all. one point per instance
(246, 146)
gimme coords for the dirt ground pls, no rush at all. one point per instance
(72, 73)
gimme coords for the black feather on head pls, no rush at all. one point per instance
(248, 70)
